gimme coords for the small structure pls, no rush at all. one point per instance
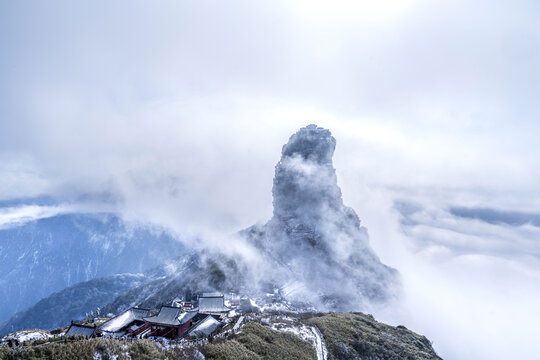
(212, 304)
(177, 302)
(247, 305)
(203, 328)
(80, 330)
(171, 322)
(129, 323)
(188, 305)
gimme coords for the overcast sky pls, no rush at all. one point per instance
(175, 112)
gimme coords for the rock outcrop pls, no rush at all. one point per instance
(315, 245)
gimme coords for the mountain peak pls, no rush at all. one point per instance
(305, 182)
(318, 238)
(311, 143)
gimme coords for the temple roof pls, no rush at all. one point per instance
(119, 322)
(171, 316)
(76, 329)
(212, 304)
(204, 327)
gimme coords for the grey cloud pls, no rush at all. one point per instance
(462, 230)
(495, 216)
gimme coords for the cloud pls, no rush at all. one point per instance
(495, 216)
(466, 280)
(11, 217)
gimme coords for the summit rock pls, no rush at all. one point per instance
(316, 244)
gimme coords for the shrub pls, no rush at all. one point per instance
(257, 341)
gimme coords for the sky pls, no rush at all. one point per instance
(175, 113)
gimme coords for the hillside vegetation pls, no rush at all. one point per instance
(360, 336)
(347, 336)
(106, 349)
(257, 341)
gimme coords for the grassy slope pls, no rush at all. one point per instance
(257, 341)
(356, 335)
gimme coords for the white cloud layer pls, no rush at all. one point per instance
(176, 114)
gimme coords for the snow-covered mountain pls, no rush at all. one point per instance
(313, 250)
(199, 271)
(314, 244)
(40, 257)
(73, 302)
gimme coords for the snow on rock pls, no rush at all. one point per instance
(320, 345)
(27, 335)
(236, 327)
(197, 355)
(308, 333)
(318, 252)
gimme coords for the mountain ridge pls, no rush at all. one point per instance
(46, 255)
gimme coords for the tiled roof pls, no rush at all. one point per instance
(119, 322)
(76, 329)
(139, 313)
(171, 316)
(212, 304)
(204, 327)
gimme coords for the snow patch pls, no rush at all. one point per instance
(118, 322)
(27, 335)
(308, 333)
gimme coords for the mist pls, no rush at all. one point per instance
(176, 116)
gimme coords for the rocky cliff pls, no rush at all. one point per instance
(314, 244)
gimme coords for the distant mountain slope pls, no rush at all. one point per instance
(194, 273)
(72, 303)
(43, 256)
